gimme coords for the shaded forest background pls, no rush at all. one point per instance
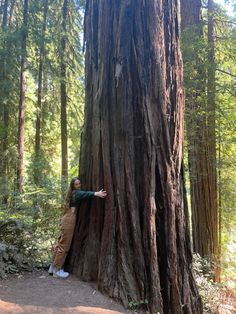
(41, 121)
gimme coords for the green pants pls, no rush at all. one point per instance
(64, 241)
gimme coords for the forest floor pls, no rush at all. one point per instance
(39, 293)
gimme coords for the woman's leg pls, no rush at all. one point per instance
(65, 238)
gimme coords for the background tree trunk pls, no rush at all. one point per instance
(5, 110)
(200, 135)
(5, 14)
(11, 15)
(211, 115)
(1, 10)
(20, 166)
(135, 244)
(64, 150)
(39, 105)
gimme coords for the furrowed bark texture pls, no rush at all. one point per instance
(135, 244)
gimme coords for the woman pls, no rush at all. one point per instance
(73, 198)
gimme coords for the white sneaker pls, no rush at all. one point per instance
(51, 269)
(60, 273)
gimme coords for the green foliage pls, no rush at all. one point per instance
(137, 305)
(11, 260)
(226, 130)
(34, 228)
(212, 294)
(48, 163)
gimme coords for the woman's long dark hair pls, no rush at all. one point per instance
(69, 192)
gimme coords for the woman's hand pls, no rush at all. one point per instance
(101, 193)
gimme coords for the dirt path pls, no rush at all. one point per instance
(39, 293)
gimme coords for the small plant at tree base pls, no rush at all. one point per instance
(135, 305)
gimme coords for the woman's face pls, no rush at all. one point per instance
(77, 184)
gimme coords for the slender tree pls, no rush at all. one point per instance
(5, 109)
(20, 166)
(136, 244)
(5, 13)
(13, 2)
(64, 148)
(211, 116)
(1, 9)
(39, 103)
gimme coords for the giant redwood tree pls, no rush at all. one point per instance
(136, 243)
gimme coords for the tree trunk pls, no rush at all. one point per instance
(5, 14)
(218, 266)
(1, 10)
(191, 14)
(64, 153)
(45, 109)
(20, 166)
(136, 243)
(39, 105)
(211, 115)
(203, 190)
(11, 15)
(5, 112)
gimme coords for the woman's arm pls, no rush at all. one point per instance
(79, 195)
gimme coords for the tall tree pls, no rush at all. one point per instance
(13, 2)
(39, 104)
(64, 149)
(199, 125)
(211, 119)
(136, 245)
(5, 113)
(5, 13)
(1, 9)
(20, 166)
(6, 85)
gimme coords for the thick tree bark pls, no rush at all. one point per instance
(20, 166)
(39, 105)
(191, 14)
(201, 165)
(136, 243)
(64, 150)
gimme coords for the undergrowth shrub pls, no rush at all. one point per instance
(210, 292)
(33, 225)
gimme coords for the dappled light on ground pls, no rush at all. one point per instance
(39, 293)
